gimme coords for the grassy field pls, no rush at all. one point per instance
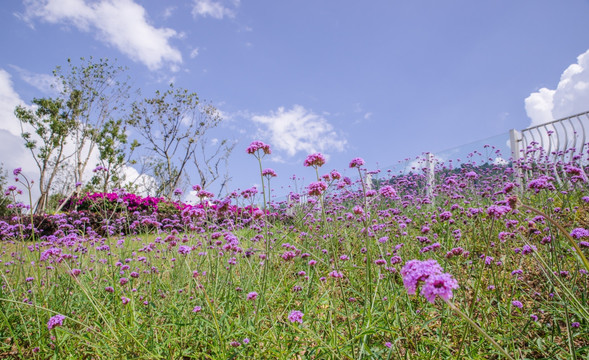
(330, 278)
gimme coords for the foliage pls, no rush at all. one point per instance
(45, 131)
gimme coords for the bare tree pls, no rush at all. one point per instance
(172, 123)
(211, 166)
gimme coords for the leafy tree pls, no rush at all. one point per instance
(114, 155)
(51, 123)
(172, 123)
(86, 115)
(103, 91)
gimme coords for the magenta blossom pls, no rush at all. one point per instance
(269, 173)
(317, 188)
(252, 296)
(356, 162)
(55, 321)
(184, 250)
(314, 160)
(439, 285)
(387, 192)
(296, 316)
(255, 146)
(435, 281)
(497, 211)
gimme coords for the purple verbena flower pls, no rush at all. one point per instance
(517, 304)
(258, 145)
(314, 160)
(439, 285)
(356, 162)
(296, 316)
(388, 192)
(55, 321)
(416, 271)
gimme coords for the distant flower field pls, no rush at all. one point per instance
(489, 262)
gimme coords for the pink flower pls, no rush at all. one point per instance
(55, 321)
(543, 182)
(296, 316)
(356, 162)
(439, 285)
(252, 296)
(76, 272)
(258, 145)
(125, 300)
(336, 274)
(416, 271)
(388, 192)
(517, 304)
(315, 160)
(497, 211)
(184, 250)
(471, 175)
(269, 173)
(205, 194)
(436, 283)
(317, 188)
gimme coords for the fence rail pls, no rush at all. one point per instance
(551, 146)
(554, 140)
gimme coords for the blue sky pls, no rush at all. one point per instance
(382, 80)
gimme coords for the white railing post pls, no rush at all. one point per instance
(515, 138)
(368, 181)
(430, 174)
(289, 206)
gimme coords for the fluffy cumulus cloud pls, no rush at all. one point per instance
(9, 99)
(570, 97)
(299, 130)
(214, 9)
(120, 23)
(11, 145)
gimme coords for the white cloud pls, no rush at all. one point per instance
(194, 53)
(214, 9)
(45, 83)
(570, 97)
(120, 23)
(15, 154)
(500, 161)
(9, 99)
(169, 11)
(299, 129)
(143, 182)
